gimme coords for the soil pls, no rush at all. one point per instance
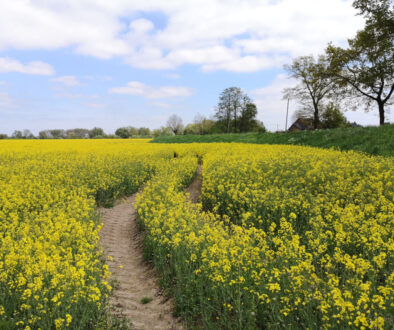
(135, 278)
(194, 190)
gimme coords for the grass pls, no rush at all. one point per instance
(371, 140)
(146, 300)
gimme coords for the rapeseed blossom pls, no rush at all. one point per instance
(288, 236)
(285, 236)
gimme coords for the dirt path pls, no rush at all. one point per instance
(120, 239)
(194, 190)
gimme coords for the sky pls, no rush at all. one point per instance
(86, 63)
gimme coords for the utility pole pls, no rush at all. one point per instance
(287, 113)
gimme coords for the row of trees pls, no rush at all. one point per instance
(76, 133)
(80, 133)
(361, 74)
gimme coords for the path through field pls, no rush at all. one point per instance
(120, 239)
(194, 190)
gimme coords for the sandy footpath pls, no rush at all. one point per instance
(120, 239)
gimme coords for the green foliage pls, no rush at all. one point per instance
(126, 132)
(144, 131)
(332, 117)
(371, 140)
(96, 132)
(365, 69)
(162, 131)
(235, 112)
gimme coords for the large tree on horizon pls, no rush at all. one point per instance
(233, 110)
(365, 70)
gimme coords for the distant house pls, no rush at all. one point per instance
(354, 124)
(301, 124)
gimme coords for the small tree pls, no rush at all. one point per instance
(162, 131)
(43, 135)
(3, 136)
(57, 133)
(77, 133)
(122, 132)
(175, 124)
(315, 84)
(96, 132)
(27, 134)
(192, 129)
(247, 120)
(132, 131)
(17, 134)
(332, 117)
(144, 131)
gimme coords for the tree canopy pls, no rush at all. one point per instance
(366, 68)
(236, 111)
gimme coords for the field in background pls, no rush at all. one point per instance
(371, 140)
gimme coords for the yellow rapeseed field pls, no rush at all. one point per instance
(285, 236)
(51, 275)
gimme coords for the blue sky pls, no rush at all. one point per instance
(110, 64)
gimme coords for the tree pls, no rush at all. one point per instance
(27, 134)
(17, 134)
(192, 129)
(77, 133)
(132, 131)
(122, 132)
(231, 101)
(3, 136)
(175, 124)
(366, 68)
(201, 125)
(144, 131)
(43, 135)
(96, 132)
(126, 132)
(57, 133)
(315, 84)
(332, 117)
(247, 120)
(162, 131)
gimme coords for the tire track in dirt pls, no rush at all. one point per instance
(121, 239)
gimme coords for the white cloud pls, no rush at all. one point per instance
(240, 36)
(141, 26)
(150, 92)
(66, 81)
(39, 68)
